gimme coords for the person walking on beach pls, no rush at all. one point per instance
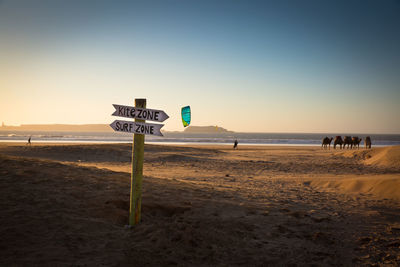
(29, 140)
(235, 144)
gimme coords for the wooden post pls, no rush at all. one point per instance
(137, 171)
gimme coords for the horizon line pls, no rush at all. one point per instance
(181, 131)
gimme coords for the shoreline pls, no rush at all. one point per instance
(197, 144)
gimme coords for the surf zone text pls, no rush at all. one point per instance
(134, 128)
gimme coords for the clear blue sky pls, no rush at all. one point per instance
(252, 66)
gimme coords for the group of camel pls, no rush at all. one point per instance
(347, 140)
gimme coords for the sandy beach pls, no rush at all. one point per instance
(67, 205)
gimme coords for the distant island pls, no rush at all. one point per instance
(206, 129)
(99, 128)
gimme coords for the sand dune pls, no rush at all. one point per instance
(380, 186)
(383, 156)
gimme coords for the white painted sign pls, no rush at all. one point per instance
(140, 113)
(137, 127)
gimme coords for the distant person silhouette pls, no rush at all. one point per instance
(29, 140)
(235, 144)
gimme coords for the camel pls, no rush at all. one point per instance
(338, 141)
(367, 142)
(325, 142)
(355, 141)
(347, 141)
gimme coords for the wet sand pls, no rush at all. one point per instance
(67, 205)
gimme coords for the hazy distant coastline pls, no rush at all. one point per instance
(99, 128)
(59, 127)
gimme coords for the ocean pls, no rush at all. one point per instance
(308, 139)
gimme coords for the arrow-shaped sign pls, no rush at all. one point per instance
(140, 113)
(137, 127)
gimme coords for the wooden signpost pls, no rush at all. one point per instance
(139, 128)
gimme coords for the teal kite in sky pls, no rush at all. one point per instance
(186, 116)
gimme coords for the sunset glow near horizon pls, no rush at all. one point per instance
(248, 66)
